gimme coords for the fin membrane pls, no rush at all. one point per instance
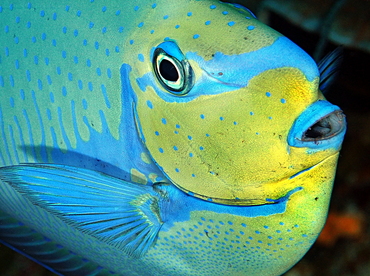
(120, 213)
(329, 68)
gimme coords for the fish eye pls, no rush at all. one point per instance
(172, 69)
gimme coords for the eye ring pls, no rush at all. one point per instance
(172, 70)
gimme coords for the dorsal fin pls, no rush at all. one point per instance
(123, 214)
(329, 68)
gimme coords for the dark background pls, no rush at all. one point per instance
(343, 249)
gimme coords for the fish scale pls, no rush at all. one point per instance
(161, 138)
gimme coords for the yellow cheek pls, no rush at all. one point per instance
(229, 145)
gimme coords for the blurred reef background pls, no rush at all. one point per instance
(318, 26)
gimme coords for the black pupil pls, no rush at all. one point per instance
(168, 70)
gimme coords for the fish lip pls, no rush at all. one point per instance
(332, 122)
(320, 126)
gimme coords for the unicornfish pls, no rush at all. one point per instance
(154, 137)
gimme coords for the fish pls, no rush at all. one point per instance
(151, 137)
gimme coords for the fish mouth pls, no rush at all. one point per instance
(326, 127)
(321, 126)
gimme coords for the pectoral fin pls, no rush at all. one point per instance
(123, 214)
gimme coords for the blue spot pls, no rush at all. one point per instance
(176, 132)
(193, 175)
(283, 101)
(70, 76)
(36, 60)
(178, 126)
(90, 86)
(91, 25)
(201, 148)
(141, 57)
(225, 12)
(251, 113)
(28, 75)
(165, 17)
(140, 24)
(175, 148)
(136, 8)
(212, 7)
(59, 71)
(28, 25)
(78, 13)
(48, 113)
(207, 22)
(43, 36)
(281, 223)
(67, 8)
(107, 53)
(84, 104)
(154, 5)
(54, 42)
(152, 31)
(209, 199)
(118, 12)
(230, 223)
(51, 96)
(33, 39)
(64, 54)
(177, 26)
(268, 94)
(270, 118)
(191, 154)
(64, 91)
(39, 84)
(109, 73)
(251, 28)
(156, 133)
(189, 13)
(11, 79)
(54, 16)
(80, 84)
(64, 29)
(221, 118)
(16, 64)
(16, 40)
(202, 116)
(116, 49)
(75, 59)
(104, 9)
(177, 170)
(96, 45)
(88, 63)
(196, 36)
(149, 104)
(244, 225)
(161, 150)
(257, 232)
(120, 29)
(98, 71)
(207, 135)
(304, 236)
(104, 30)
(42, 13)
(190, 138)
(29, 6)
(231, 23)
(235, 123)
(131, 42)
(49, 79)
(164, 121)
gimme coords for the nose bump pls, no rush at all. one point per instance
(322, 125)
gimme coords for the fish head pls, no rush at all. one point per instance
(228, 108)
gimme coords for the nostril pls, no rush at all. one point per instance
(326, 127)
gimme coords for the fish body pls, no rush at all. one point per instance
(160, 138)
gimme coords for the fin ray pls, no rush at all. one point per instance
(123, 214)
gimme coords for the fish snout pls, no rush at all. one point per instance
(322, 125)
